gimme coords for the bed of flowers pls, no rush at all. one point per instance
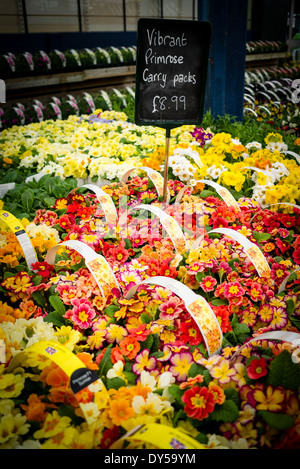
(140, 339)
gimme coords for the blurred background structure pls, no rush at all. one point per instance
(238, 28)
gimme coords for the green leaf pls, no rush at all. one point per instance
(227, 412)
(180, 415)
(157, 354)
(27, 198)
(39, 298)
(58, 191)
(195, 370)
(177, 394)
(261, 236)
(68, 410)
(241, 331)
(233, 395)
(290, 307)
(278, 421)
(49, 201)
(155, 343)
(147, 343)
(105, 363)
(131, 377)
(57, 304)
(37, 280)
(110, 310)
(206, 193)
(55, 318)
(284, 372)
(115, 383)
(49, 183)
(145, 318)
(218, 302)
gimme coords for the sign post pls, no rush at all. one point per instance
(166, 168)
(171, 70)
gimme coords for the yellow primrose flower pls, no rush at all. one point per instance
(54, 424)
(230, 178)
(222, 372)
(262, 179)
(11, 385)
(221, 138)
(272, 400)
(82, 439)
(11, 426)
(68, 336)
(273, 137)
(245, 231)
(60, 440)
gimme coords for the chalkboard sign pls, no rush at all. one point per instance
(171, 69)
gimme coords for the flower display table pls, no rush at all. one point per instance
(127, 322)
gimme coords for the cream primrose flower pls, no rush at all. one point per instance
(116, 371)
(255, 145)
(55, 169)
(181, 167)
(47, 232)
(91, 411)
(162, 381)
(220, 442)
(27, 444)
(280, 170)
(215, 172)
(277, 146)
(6, 405)
(26, 332)
(153, 405)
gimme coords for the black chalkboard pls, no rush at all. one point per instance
(171, 69)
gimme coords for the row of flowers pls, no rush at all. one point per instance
(275, 102)
(68, 105)
(260, 47)
(146, 348)
(262, 74)
(56, 61)
(273, 84)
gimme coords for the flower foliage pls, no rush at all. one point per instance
(146, 347)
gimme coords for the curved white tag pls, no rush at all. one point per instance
(109, 209)
(285, 281)
(197, 307)
(251, 249)
(274, 205)
(153, 175)
(97, 264)
(284, 336)
(169, 223)
(223, 192)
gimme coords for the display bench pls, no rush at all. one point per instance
(264, 60)
(73, 81)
